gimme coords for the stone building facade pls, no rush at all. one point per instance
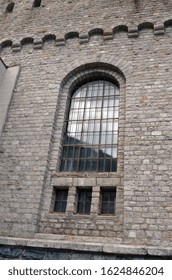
(49, 49)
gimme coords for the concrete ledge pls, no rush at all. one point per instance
(75, 245)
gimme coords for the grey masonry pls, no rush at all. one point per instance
(51, 48)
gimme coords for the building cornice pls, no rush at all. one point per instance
(132, 31)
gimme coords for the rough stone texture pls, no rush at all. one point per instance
(132, 43)
(2, 70)
(7, 84)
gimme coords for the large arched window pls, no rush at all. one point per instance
(90, 142)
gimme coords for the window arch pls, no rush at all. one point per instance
(91, 137)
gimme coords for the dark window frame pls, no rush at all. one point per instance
(107, 201)
(91, 143)
(84, 199)
(60, 203)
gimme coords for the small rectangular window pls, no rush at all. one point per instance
(61, 201)
(36, 3)
(107, 201)
(84, 201)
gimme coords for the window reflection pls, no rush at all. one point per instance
(90, 144)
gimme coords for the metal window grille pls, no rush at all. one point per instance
(61, 201)
(108, 201)
(90, 143)
(84, 201)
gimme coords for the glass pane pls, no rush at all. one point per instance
(79, 127)
(84, 137)
(105, 113)
(88, 152)
(74, 166)
(94, 152)
(112, 89)
(104, 208)
(108, 138)
(111, 196)
(68, 165)
(87, 165)
(101, 164)
(94, 165)
(81, 104)
(83, 91)
(82, 152)
(99, 102)
(71, 140)
(93, 102)
(88, 103)
(114, 165)
(70, 152)
(80, 114)
(105, 101)
(64, 152)
(97, 126)
(76, 152)
(111, 208)
(116, 101)
(106, 91)
(92, 113)
(87, 208)
(90, 138)
(115, 138)
(89, 90)
(96, 138)
(104, 125)
(108, 152)
(81, 166)
(85, 126)
(87, 114)
(115, 126)
(103, 138)
(107, 165)
(109, 125)
(62, 168)
(74, 114)
(114, 151)
(98, 113)
(91, 126)
(116, 113)
(75, 104)
(72, 126)
(110, 112)
(100, 89)
(102, 152)
(84, 201)
(63, 206)
(94, 91)
(80, 207)
(77, 137)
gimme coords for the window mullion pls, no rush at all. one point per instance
(101, 118)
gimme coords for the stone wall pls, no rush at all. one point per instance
(134, 42)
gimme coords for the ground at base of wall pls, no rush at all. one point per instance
(31, 253)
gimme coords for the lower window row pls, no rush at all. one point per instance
(84, 199)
